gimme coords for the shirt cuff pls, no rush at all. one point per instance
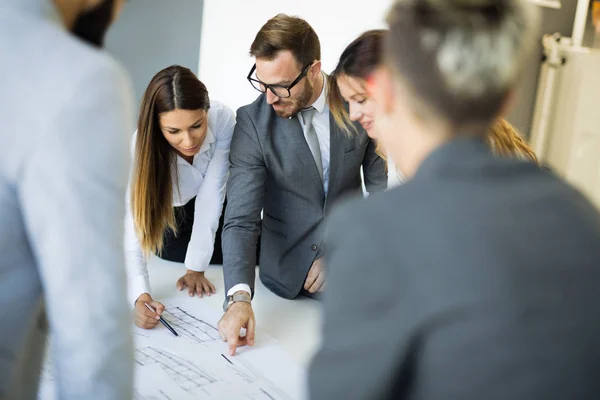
(239, 287)
(196, 268)
(137, 286)
(197, 260)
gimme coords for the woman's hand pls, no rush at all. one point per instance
(142, 316)
(195, 282)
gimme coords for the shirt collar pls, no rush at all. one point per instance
(208, 140)
(321, 102)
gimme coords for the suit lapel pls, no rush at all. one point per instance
(292, 130)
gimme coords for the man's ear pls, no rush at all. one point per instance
(315, 69)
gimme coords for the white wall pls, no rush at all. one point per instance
(229, 27)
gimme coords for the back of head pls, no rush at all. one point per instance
(284, 32)
(459, 59)
(173, 88)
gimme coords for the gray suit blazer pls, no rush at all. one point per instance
(478, 279)
(67, 113)
(272, 169)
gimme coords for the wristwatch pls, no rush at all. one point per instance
(237, 297)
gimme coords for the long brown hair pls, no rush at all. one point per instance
(155, 163)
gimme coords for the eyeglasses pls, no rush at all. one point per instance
(277, 90)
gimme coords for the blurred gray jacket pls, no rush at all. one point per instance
(478, 279)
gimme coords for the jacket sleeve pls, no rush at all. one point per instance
(245, 197)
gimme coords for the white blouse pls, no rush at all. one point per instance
(395, 178)
(206, 179)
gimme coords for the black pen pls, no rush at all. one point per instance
(162, 320)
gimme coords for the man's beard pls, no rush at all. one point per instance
(297, 104)
(92, 25)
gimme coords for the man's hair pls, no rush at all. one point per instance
(459, 58)
(284, 32)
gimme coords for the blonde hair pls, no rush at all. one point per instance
(337, 106)
(358, 60)
(504, 140)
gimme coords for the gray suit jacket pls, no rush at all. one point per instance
(273, 169)
(478, 279)
(66, 112)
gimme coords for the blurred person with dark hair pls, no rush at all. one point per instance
(66, 112)
(292, 161)
(180, 169)
(485, 269)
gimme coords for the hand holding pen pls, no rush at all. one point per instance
(162, 321)
(142, 316)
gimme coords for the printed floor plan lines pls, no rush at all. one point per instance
(185, 374)
(159, 396)
(190, 326)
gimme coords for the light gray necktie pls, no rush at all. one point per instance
(311, 137)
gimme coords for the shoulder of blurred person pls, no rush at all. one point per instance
(46, 70)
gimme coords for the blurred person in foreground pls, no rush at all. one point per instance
(66, 112)
(485, 269)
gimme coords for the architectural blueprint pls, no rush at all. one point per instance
(196, 364)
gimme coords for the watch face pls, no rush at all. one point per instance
(241, 297)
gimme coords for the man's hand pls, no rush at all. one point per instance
(315, 280)
(143, 317)
(196, 282)
(238, 316)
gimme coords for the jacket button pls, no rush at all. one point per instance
(314, 247)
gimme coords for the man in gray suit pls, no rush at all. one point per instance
(479, 277)
(66, 113)
(292, 161)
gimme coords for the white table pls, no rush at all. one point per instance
(294, 323)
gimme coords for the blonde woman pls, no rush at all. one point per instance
(348, 85)
(181, 166)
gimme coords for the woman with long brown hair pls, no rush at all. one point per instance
(181, 166)
(348, 84)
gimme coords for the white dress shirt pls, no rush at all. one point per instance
(321, 124)
(394, 176)
(205, 179)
